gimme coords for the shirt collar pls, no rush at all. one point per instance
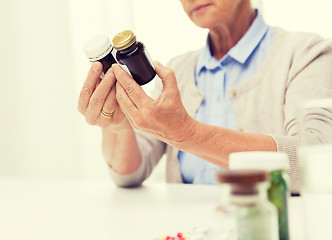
(240, 52)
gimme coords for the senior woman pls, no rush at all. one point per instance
(239, 92)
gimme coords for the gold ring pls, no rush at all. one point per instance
(106, 114)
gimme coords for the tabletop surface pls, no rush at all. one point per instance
(76, 209)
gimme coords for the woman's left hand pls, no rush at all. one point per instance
(165, 118)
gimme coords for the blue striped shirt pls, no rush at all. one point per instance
(214, 78)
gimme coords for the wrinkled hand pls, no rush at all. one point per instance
(97, 101)
(165, 118)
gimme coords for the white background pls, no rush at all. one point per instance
(42, 68)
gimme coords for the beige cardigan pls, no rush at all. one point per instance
(297, 68)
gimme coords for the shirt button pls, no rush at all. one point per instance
(234, 93)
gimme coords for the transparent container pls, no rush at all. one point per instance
(134, 55)
(244, 212)
(276, 163)
(100, 49)
(315, 146)
(315, 156)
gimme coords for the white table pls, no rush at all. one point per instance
(67, 209)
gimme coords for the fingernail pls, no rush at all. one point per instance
(116, 67)
(158, 63)
(109, 73)
(95, 67)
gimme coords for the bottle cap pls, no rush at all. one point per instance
(97, 47)
(124, 39)
(246, 177)
(268, 161)
(244, 182)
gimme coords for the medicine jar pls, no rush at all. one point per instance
(134, 55)
(276, 163)
(100, 49)
(244, 212)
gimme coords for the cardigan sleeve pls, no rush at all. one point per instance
(297, 69)
(310, 77)
(151, 150)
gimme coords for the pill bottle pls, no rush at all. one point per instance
(100, 49)
(134, 55)
(276, 163)
(244, 211)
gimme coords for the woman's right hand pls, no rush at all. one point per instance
(97, 101)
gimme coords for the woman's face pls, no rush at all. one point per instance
(210, 13)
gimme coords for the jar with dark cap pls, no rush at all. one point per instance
(134, 55)
(100, 49)
(244, 211)
(276, 163)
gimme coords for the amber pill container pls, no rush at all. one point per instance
(134, 55)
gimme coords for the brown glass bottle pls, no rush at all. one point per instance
(134, 55)
(100, 49)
